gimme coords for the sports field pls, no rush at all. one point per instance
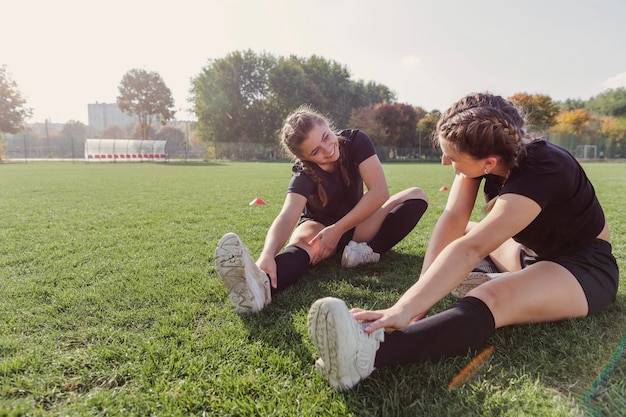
(110, 305)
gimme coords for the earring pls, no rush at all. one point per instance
(486, 171)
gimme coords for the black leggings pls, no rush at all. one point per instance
(463, 327)
(398, 223)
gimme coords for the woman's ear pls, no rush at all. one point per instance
(490, 164)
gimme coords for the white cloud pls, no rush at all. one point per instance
(616, 81)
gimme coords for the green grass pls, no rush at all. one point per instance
(110, 305)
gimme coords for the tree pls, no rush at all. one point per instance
(176, 144)
(13, 110)
(571, 104)
(615, 130)
(612, 102)
(539, 109)
(244, 97)
(113, 132)
(399, 121)
(572, 121)
(138, 132)
(364, 118)
(230, 95)
(144, 94)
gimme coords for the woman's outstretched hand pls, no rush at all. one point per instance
(389, 319)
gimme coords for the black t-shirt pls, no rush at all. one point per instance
(355, 147)
(570, 216)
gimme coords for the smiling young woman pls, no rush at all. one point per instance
(326, 209)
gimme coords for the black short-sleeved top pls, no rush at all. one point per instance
(355, 147)
(570, 217)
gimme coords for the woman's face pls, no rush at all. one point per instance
(321, 147)
(463, 163)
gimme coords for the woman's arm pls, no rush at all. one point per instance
(453, 221)
(279, 232)
(511, 214)
(377, 193)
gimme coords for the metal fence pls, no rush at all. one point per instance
(21, 148)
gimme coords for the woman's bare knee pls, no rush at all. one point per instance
(415, 193)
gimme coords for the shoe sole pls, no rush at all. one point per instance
(231, 261)
(473, 280)
(330, 323)
(324, 332)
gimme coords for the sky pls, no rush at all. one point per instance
(65, 54)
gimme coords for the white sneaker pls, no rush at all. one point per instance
(346, 352)
(355, 254)
(473, 280)
(248, 287)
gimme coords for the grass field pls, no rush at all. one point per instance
(110, 305)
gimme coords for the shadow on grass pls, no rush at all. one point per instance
(283, 322)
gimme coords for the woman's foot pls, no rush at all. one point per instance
(346, 352)
(248, 287)
(355, 254)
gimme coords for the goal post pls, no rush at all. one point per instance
(586, 152)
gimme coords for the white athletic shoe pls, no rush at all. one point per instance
(346, 352)
(355, 254)
(473, 280)
(248, 287)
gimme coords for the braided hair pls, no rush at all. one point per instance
(482, 125)
(295, 130)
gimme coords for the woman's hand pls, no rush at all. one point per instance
(267, 264)
(390, 319)
(325, 243)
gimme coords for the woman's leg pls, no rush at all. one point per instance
(366, 231)
(398, 224)
(542, 292)
(388, 226)
(293, 261)
(506, 257)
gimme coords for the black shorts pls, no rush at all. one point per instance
(595, 268)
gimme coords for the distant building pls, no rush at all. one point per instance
(102, 115)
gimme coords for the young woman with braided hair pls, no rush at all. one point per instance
(325, 209)
(545, 231)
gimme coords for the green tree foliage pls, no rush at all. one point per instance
(571, 104)
(539, 109)
(426, 129)
(244, 96)
(611, 102)
(144, 94)
(399, 122)
(13, 110)
(230, 95)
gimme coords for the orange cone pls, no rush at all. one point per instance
(257, 201)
